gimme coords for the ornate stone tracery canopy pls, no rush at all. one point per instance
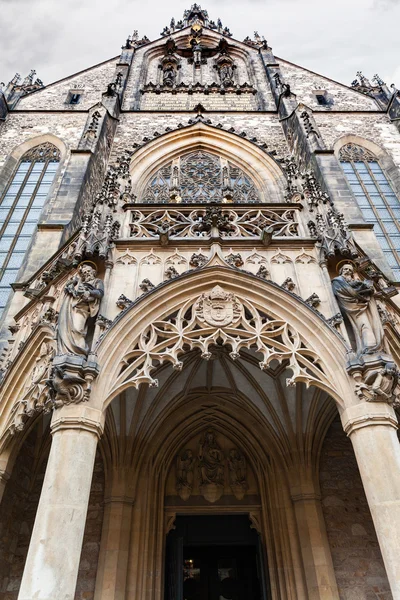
(213, 319)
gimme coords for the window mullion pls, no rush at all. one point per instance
(373, 207)
(14, 204)
(23, 220)
(383, 196)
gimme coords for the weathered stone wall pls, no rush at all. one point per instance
(90, 83)
(213, 101)
(357, 559)
(305, 83)
(376, 128)
(22, 127)
(133, 127)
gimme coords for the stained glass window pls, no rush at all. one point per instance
(200, 177)
(376, 199)
(20, 208)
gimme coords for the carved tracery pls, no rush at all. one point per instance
(213, 318)
(200, 177)
(352, 152)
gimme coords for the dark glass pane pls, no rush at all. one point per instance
(383, 213)
(391, 227)
(391, 259)
(22, 243)
(8, 200)
(395, 239)
(9, 276)
(3, 215)
(369, 214)
(17, 215)
(4, 293)
(23, 201)
(383, 242)
(11, 229)
(33, 215)
(28, 228)
(16, 260)
(5, 243)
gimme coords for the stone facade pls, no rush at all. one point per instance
(202, 297)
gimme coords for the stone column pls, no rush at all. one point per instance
(51, 567)
(372, 430)
(114, 551)
(315, 550)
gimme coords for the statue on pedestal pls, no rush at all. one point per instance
(354, 297)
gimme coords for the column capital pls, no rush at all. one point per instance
(78, 417)
(368, 414)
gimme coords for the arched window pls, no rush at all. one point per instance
(200, 177)
(376, 199)
(20, 208)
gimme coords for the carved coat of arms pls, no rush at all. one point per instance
(218, 308)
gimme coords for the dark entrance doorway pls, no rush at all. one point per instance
(215, 558)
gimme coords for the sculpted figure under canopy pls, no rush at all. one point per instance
(83, 294)
(211, 460)
(354, 297)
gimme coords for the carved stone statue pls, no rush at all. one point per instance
(237, 473)
(225, 72)
(184, 474)
(169, 76)
(83, 294)
(354, 298)
(211, 467)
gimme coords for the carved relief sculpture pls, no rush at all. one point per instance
(184, 474)
(354, 298)
(237, 473)
(218, 308)
(211, 467)
(83, 294)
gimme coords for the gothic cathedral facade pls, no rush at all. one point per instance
(200, 321)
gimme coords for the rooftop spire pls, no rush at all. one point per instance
(195, 16)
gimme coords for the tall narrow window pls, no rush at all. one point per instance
(20, 208)
(376, 199)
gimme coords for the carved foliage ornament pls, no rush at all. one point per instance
(202, 223)
(35, 398)
(213, 318)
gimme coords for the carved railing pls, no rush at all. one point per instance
(210, 221)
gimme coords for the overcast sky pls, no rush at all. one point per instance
(333, 37)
